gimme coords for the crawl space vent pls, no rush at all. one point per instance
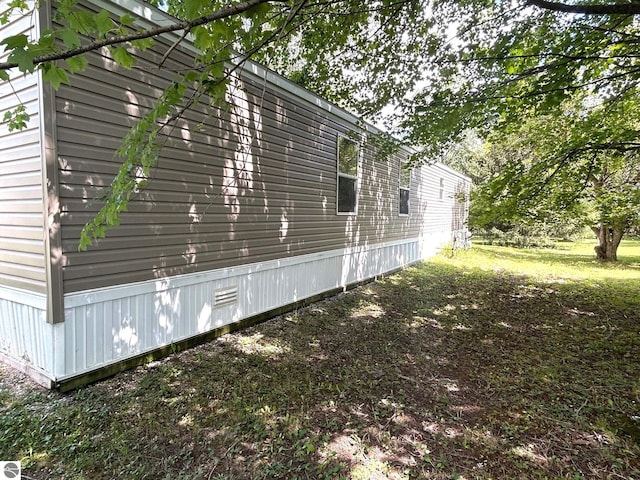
(225, 296)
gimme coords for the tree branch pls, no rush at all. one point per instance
(594, 9)
(225, 12)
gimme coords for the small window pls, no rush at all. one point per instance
(405, 183)
(441, 188)
(348, 154)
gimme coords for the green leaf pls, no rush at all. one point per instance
(191, 77)
(122, 57)
(54, 75)
(24, 59)
(17, 118)
(4, 76)
(69, 37)
(19, 4)
(103, 22)
(127, 20)
(19, 41)
(46, 43)
(77, 64)
(143, 43)
(81, 21)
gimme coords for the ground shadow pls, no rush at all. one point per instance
(436, 372)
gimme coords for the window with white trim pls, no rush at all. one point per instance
(441, 188)
(347, 189)
(404, 190)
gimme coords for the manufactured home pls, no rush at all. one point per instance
(273, 199)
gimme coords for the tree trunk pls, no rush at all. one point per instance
(608, 241)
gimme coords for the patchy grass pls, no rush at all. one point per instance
(493, 364)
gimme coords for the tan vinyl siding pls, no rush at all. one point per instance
(22, 249)
(255, 181)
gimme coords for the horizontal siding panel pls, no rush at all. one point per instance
(18, 257)
(166, 200)
(20, 282)
(20, 245)
(275, 174)
(21, 179)
(20, 193)
(23, 206)
(84, 146)
(266, 180)
(250, 214)
(20, 92)
(17, 139)
(21, 211)
(21, 232)
(211, 239)
(139, 90)
(281, 171)
(198, 143)
(18, 23)
(274, 125)
(180, 232)
(17, 164)
(20, 219)
(191, 250)
(131, 276)
(21, 272)
(191, 217)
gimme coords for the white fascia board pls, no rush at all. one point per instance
(452, 171)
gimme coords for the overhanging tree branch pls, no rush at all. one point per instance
(225, 12)
(592, 9)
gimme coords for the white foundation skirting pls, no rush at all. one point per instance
(108, 325)
(26, 339)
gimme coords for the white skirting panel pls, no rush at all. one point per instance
(26, 339)
(105, 326)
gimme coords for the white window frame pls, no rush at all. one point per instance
(441, 188)
(402, 188)
(340, 174)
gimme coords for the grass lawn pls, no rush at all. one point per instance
(493, 363)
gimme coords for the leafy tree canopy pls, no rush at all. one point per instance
(446, 65)
(512, 60)
(564, 168)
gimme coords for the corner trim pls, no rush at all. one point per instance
(50, 188)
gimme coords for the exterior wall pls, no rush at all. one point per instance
(27, 340)
(26, 335)
(22, 246)
(104, 326)
(250, 183)
(241, 207)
